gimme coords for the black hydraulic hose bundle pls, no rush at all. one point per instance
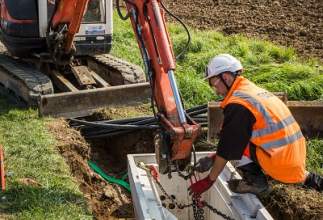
(106, 128)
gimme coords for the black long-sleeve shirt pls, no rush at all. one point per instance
(236, 131)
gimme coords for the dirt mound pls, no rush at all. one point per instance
(296, 23)
(294, 202)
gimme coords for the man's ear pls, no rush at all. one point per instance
(226, 76)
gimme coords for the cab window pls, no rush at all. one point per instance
(95, 12)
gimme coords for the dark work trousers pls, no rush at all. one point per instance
(252, 172)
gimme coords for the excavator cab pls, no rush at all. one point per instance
(95, 34)
(25, 26)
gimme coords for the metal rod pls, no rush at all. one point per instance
(178, 102)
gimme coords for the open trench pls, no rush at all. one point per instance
(107, 201)
(110, 201)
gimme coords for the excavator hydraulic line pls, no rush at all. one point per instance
(147, 18)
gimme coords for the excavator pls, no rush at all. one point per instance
(57, 57)
(59, 39)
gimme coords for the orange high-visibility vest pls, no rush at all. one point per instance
(281, 147)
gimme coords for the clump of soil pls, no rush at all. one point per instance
(296, 23)
(293, 202)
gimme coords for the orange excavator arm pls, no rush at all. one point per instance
(64, 25)
(148, 22)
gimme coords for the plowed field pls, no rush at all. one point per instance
(296, 23)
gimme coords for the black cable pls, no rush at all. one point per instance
(150, 121)
(118, 126)
(107, 128)
(120, 13)
(127, 120)
(184, 26)
(197, 112)
(113, 131)
(91, 130)
(199, 107)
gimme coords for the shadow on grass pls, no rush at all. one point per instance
(9, 101)
(24, 198)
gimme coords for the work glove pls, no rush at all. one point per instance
(196, 189)
(205, 163)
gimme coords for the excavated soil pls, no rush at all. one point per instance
(107, 201)
(296, 23)
(292, 202)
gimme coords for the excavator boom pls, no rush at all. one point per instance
(148, 22)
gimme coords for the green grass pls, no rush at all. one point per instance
(314, 155)
(273, 67)
(30, 153)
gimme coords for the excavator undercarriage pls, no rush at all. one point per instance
(77, 89)
(58, 59)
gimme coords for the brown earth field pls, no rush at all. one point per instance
(296, 23)
(110, 201)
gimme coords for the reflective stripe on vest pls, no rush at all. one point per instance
(272, 127)
(256, 104)
(283, 141)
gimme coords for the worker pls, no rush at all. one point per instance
(258, 132)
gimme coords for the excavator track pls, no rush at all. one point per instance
(23, 79)
(130, 73)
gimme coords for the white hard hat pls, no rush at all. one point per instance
(222, 63)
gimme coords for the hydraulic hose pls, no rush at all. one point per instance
(184, 26)
(123, 17)
(108, 178)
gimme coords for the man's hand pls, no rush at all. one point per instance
(196, 189)
(205, 163)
